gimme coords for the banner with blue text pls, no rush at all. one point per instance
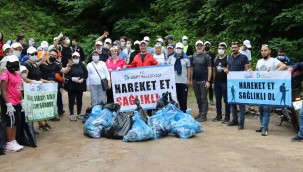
(259, 88)
(148, 84)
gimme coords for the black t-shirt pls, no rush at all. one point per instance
(200, 64)
(220, 64)
(78, 70)
(34, 72)
(237, 63)
(49, 70)
(142, 57)
(66, 54)
(132, 56)
(212, 57)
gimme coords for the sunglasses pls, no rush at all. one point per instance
(236, 42)
(33, 54)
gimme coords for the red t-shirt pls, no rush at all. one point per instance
(14, 86)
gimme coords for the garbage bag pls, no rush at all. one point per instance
(121, 125)
(2, 135)
(185, 126)
(87, 113)
(160, 125)
(96, 110)
(163, 101)
(94, 124)
(139, 131)
(169, 111)
(140, 111)
(114, 107)
(26, 133)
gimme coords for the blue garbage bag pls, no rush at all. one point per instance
(160, 125)
(98, 119)
(139, 132)
(170, 111)
(185, 126)
(96, 110)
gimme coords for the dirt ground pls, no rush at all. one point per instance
(218, 148)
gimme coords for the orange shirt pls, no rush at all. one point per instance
(40, 54)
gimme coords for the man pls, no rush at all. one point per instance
(200, 77)
(245, 50)
(188, 49)
(267, 63)
(78, 49)
(181, 64)
(124, 56)
(220, 83)
(150, 50)
(207, 47)
(237, 62)
(170, 51)
(299, 136)
(107, 43)
(282, 56)
(169, 41)
(123, 40)
(103, 54)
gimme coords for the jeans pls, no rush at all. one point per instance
(71, 101)
(110, 96)
(97, 94)
(201, 96)
(264, 116)
(300, 133)
(181, 90)
(235, 114)
(221, 91)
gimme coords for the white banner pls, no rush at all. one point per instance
(148, 84)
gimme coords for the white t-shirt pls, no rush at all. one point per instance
(247, 53)
(159, 57)
(270, 64)
(93, 76)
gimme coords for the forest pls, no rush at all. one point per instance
(278, 23)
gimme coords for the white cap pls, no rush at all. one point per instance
(114, 48)
(108, 40)
(12, 58)
(22, 68)
(16, 44)
(247, 43)
(199, 42)
(157, 45)
(223, 43)
(184, 38)
(142, 42)
(207, 42)
(160, 40)
(76, 54)
(6, 46)
(98, 43)
(146, 38)
(179, 45)
(137, 42)
(31, 50)
(55, 38)
(44, 44)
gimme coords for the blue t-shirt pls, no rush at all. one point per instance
(237, 63)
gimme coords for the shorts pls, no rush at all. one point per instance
(14, 120)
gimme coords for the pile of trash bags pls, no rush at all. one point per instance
(107, 121)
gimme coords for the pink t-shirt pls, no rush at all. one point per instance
(14, 86)
(113, 66)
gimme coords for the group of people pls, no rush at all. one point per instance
(63, 63)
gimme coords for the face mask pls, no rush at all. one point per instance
(8, 53)
(137, 47)
(221, 52)
(147, 43)
(128, 46)
(99, 50)
(52, 59)
(122, 44)
(184, 42)
(45, 49)
(207, 48)
(17, 53)
(281, 57)
(114, 57)
(76, 61)
(179, 51)
(33, 58)
(67, 41)
(13, 68)
(95, 58)
(105, 46)
(23, 75)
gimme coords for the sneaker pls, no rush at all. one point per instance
(225, 121)
(17, 144)
(216, 119)
(81, 117)
(198, 116)
(297, 139)
(240, 127)
(43, 128)
(72, 118)
(201, 119)
(11, 147)
(232, 123)
(211, 102)
(48, 126)
(259, 130)
(55, 119)
(264, 132)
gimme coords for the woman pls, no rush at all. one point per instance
(66, 51)
(97, 70)
(11, 86)
(77, 76)
(135, 52)
(113, 63)
(159, 56)
(34, 76)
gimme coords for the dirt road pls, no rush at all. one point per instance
(218, 148)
